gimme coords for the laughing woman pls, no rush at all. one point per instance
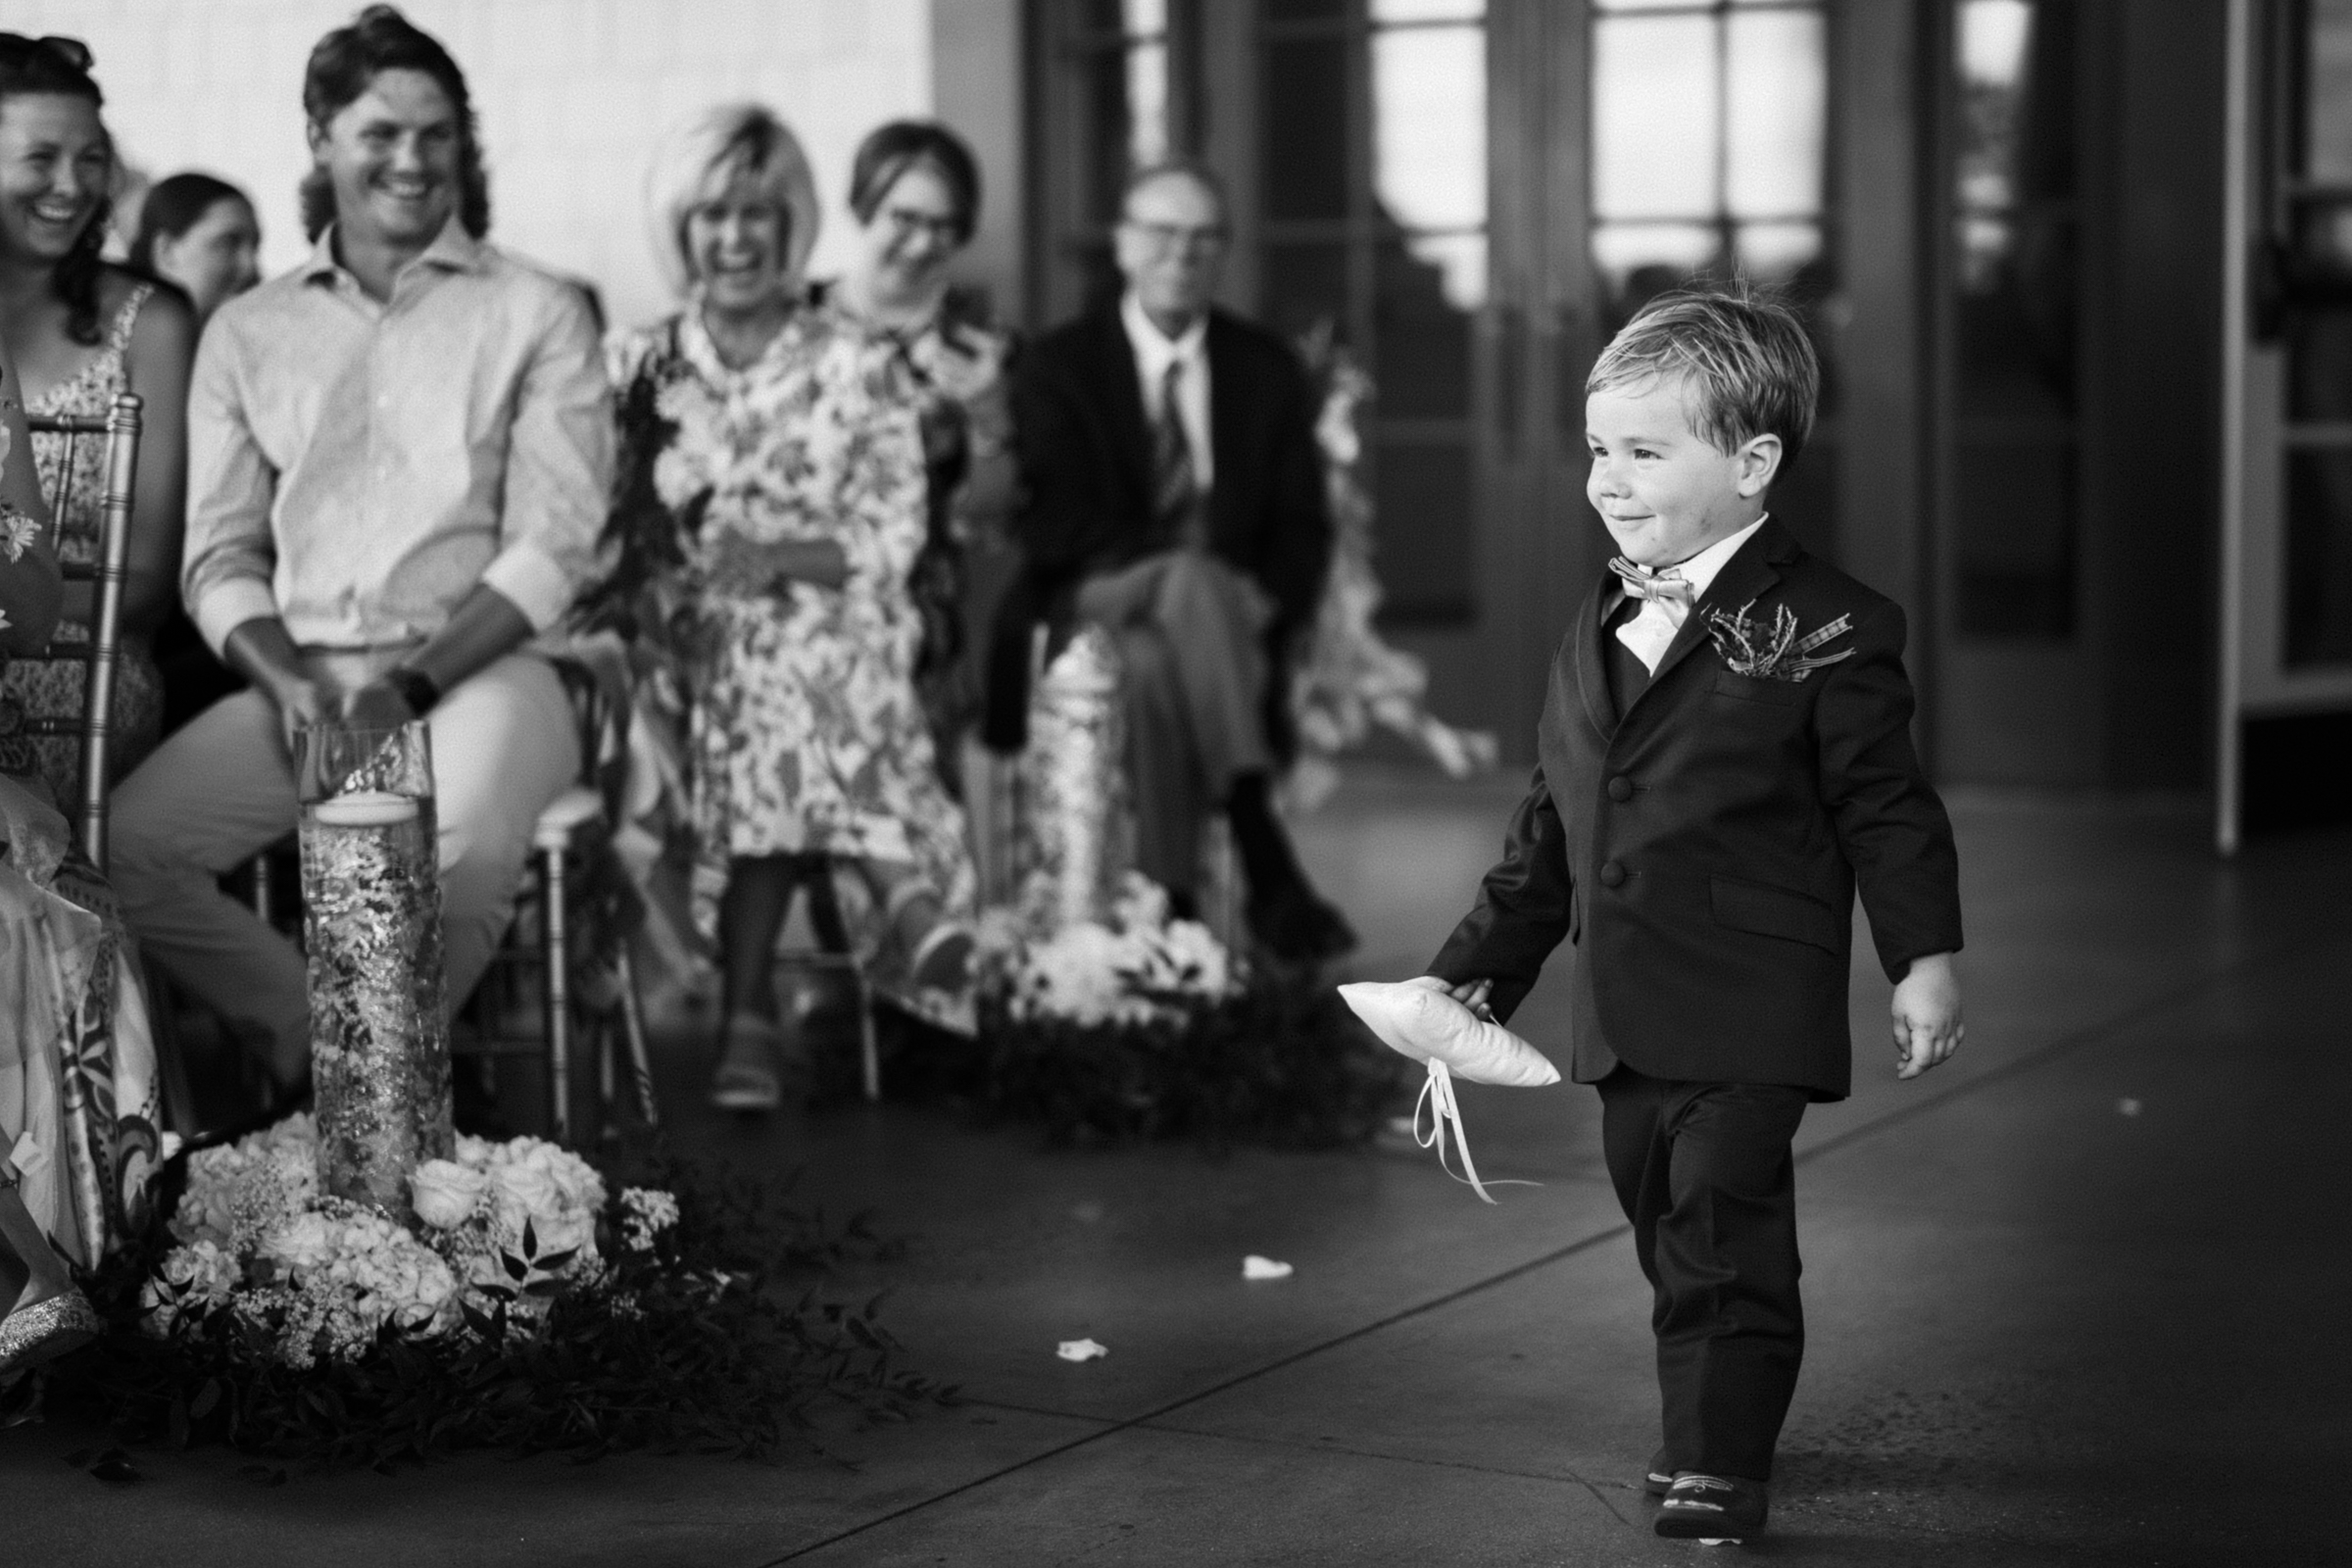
(783, 508)
(84, 331)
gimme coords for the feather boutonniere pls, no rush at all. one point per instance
(1772, 649)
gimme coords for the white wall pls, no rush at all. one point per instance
(571, 96)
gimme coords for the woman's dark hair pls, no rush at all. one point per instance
(344, 65)
(903, 144)
(172, 206)
(62, 65)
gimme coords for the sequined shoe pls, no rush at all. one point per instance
(1712, 1510)
(47, 1329)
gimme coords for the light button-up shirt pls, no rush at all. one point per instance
(1154, 351)
(357, 466)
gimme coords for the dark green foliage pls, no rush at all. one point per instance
(718, 1343)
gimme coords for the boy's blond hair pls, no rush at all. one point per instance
(1748, 367)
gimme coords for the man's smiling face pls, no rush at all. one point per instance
(1665, 491)
(392, 153)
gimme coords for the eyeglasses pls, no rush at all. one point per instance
(72, 51)
(1177, 237)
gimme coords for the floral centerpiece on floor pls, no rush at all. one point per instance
(537, 1305)
(1138, 1025)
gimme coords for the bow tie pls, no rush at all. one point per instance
(1659, 587)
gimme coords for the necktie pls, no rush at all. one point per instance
(1665, 605)
(1175, 497)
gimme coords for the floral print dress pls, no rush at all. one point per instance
(805, 732)
(52, 688)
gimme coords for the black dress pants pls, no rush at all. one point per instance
(1705, 1173)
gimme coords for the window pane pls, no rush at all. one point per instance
(1775, 253)
(1423, 510)
(1127, 113)
(1147, 103)
(1421, 328)
(1305, 286)
(1777, 114)
(1656, 118)
(2328, 152)
(2016, 540)
(1428, 125)
(1428, 10)
(2318, 558)
(1146, 18)
(1623, 250)
(1305, 127)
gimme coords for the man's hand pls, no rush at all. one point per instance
(376, 705)
(1927, 1015)
(260, 650)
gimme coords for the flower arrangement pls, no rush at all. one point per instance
(1142, 1026)
(538, 1306)
(1773, 651)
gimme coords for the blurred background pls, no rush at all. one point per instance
(2080, 272)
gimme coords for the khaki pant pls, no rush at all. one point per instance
(223, 789)
(1191, 633)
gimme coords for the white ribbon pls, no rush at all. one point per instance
(1436, 1090)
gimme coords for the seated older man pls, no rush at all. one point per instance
(400, 455)
(1175, 497)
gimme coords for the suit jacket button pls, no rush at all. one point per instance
(1611, 874)
(1621, 788)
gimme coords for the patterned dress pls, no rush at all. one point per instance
(52, 688)
(803, 729)
(80, 1110)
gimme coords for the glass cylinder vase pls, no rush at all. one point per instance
(372, 895)
(1078, 822)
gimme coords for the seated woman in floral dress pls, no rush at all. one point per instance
(77, 1111)
(83, 333)
(774, 506)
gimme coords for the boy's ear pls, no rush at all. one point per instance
(1759, 462)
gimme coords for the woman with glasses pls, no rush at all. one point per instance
(772, 509)
(83, 333)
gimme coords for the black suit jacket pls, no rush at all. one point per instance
(1085, 448)
(1701, 850)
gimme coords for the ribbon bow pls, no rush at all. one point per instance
(1659, 587)
(1437, 1091)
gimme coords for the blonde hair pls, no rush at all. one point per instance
(1744, 358)
(727, 142)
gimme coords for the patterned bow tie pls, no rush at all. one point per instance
(1659, 587)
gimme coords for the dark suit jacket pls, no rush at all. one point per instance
(1703, 849)
(1085, 452)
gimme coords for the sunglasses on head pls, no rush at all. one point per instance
(72, 51)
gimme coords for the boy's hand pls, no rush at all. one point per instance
(1471, 993)
(1927, 1014)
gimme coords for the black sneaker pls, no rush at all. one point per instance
(1659, 1479)
(1712, 1510)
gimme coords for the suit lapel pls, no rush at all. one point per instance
(1748, 575)
(1592, 657)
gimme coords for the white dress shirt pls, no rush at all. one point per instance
(1154, 351)
(1652, 631)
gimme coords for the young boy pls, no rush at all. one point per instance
(1725, 759)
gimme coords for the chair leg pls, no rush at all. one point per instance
(556, 992)
(869, 1054)
(632, 1027)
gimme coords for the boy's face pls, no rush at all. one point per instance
(1665, 492)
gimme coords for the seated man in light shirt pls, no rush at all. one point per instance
(398, 456)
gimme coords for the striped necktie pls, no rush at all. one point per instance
(1175, 496)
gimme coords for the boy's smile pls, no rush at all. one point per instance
(1664, 490)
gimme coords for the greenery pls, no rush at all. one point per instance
(717, 1340)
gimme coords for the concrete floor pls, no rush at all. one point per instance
(2073, 1297)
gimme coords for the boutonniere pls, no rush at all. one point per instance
(1773, 651)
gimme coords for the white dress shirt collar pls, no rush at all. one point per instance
(1154, 351)
(1700, 569)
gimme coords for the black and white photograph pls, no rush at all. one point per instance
(1175, 782)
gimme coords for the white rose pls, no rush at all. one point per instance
(299, 1241)
(445, 1193)
(525, 1192)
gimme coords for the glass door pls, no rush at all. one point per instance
(2286, 599)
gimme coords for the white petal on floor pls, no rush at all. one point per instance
(1081, 1350)
(1254, 1267)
